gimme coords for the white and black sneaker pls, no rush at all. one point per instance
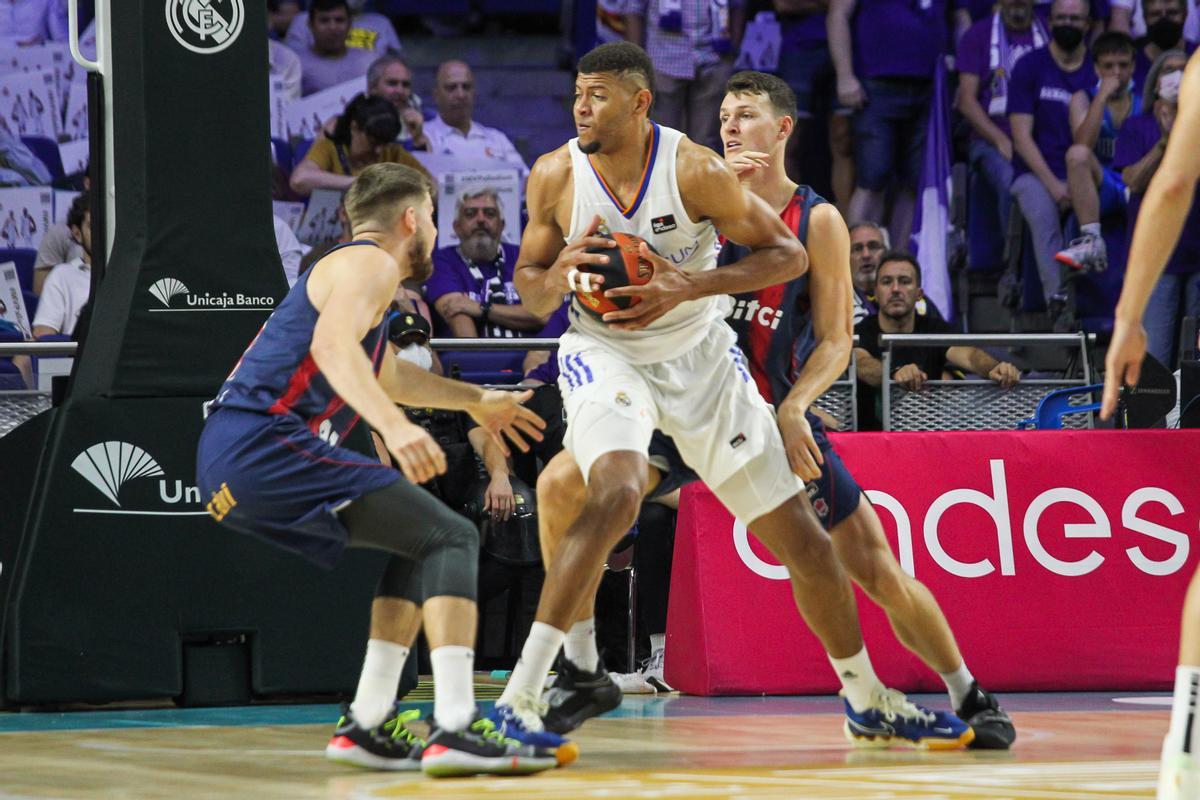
(391, 746)
(577, 696)
(480, 750)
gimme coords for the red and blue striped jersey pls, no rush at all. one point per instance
(277, 373)
(774, 325)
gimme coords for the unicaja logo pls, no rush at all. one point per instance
(205, 26)
(109, 465)
(166, 288)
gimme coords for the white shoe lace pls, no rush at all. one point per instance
(654, 664)
(892, 704)
(529, 708)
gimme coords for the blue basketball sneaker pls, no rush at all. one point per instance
(893, 719)
(525, 726)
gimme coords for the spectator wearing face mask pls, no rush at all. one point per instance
(1164, 30)
(1039, 99)
(1097, 117)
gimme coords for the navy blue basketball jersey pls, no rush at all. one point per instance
(277, 373)
(774, 325)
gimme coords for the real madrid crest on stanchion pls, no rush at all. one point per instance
(205, 26)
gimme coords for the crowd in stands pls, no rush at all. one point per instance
(1062, 112)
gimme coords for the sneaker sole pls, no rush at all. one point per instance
(661, 687)
(565, 725)
(457, 764)
(347, 753)
(884, 742)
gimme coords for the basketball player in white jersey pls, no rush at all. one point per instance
(669, 363)
(1160, 221)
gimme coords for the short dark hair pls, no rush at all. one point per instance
(375, 116)
(626, 59)
(383, 191)
(315, 6)
(783, 99)
(900, 255)
(81, 206)
(1111, 42)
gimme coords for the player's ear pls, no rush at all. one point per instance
(786, 126)
(642, 101)
(409, 217)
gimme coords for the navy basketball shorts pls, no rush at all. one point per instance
(269, 476)
(834, 496)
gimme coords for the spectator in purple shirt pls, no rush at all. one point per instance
(472, 284)
(805, 64)
(692, 44)
(885, 52)
(1139, 153)
(1039, 96)
(1097, 117)
(986, 56)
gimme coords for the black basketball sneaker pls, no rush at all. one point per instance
(576, 696)
(391, 746)
(480, 750)
(993, 728)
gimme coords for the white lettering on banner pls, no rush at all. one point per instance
(190, 494)
(1098, 528)
(741, 543)
(996, 506)
(1133, 522)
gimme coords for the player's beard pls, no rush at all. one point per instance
(420, 260)
(590, 148)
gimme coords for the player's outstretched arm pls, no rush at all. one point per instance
(544, 262)
(1159, 223)
(499, 413)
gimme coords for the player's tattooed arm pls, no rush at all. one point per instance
(544, 260)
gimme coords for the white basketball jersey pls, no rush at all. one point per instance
(658, 216)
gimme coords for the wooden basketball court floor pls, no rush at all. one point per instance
(1069, 747)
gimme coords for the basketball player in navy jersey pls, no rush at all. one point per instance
(672, 364)
(797, 337)
(1160, 222)
(270, 459)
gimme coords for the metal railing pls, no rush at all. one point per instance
(976, 404)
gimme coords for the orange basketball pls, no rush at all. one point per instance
(624, 268)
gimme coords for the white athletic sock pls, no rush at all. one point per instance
(1184, 734)
(580, 645)
(453, 686)
(378, 682)
(1090, 229)
(858, 678)
(958, 683)
(658, 641)
(536, 657)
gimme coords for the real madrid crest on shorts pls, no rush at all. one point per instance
(205, 26)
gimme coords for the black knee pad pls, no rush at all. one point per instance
(451, 568)
(401, 578)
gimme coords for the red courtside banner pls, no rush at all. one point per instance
(1060, 559)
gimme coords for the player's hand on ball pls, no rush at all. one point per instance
(1123, 364)
(666, 289)
(502, 415)
(418, 455)
(746, 162)
(804, 456)
(569, 269)
(1005, 374)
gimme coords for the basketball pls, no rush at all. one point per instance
(624, 268)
